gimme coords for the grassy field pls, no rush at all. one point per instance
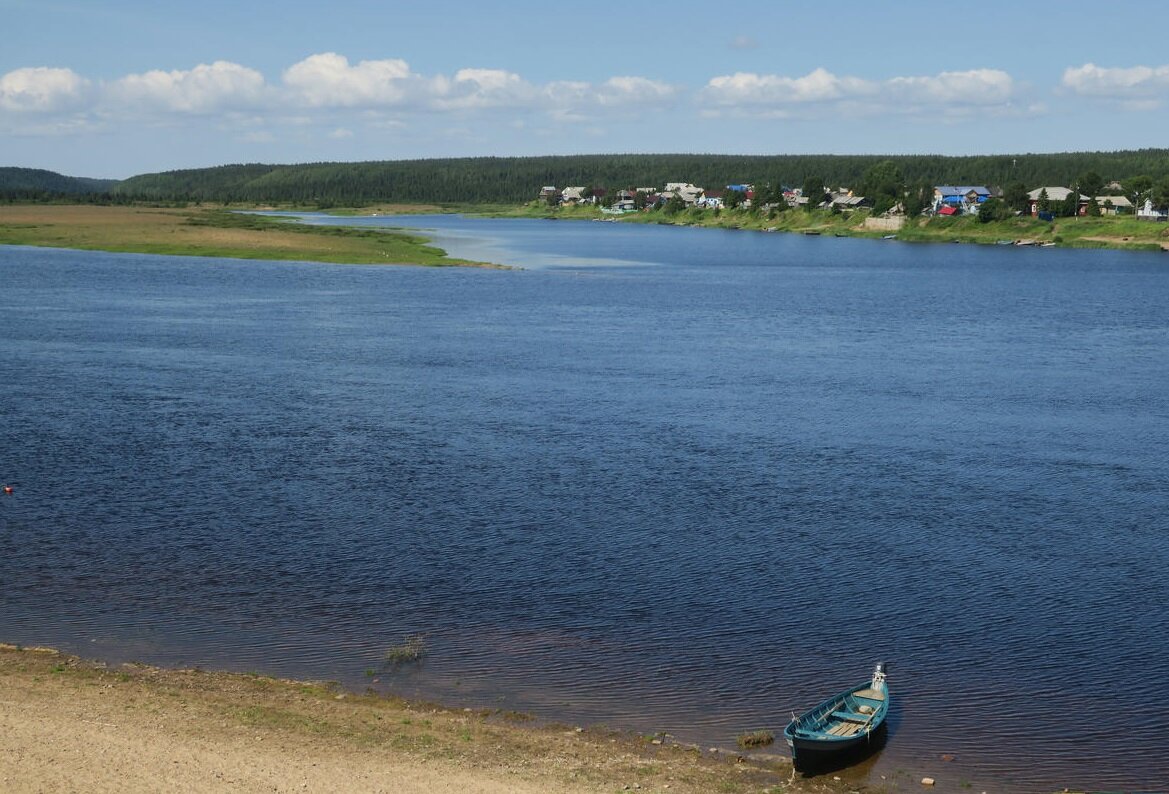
(211, 232)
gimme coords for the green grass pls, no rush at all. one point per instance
(1119, 232)
(411, 651)
(755, 739)
(214, 233)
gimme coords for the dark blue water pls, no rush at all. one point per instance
(663, 479)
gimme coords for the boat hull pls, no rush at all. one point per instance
(841, 725)
(804, 747)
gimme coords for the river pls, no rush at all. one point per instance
(664, 479)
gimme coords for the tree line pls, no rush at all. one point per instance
(513, 180)
(39, 185)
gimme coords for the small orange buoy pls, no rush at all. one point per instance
(7, 489)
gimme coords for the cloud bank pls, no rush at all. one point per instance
(331, 92)
(1123, 83)
(41, 90)
(781, 95)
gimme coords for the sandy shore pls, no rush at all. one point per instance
(72, 725)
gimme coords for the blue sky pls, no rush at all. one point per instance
(115, 88)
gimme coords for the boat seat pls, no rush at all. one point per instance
(871, 694)
(852, 716)
(843, 729)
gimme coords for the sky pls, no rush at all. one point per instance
(114, 88)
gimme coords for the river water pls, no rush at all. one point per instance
(663, 479)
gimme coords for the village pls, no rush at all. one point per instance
(1044, 202)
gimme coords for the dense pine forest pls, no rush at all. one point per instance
(34, 184)
(514, 180)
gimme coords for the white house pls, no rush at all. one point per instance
(573, 195)
(689, 193)
(1149, 213)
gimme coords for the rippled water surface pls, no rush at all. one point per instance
(664, 479)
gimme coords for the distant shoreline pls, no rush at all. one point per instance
(219, 232)
(213, 232)
(1124, 233)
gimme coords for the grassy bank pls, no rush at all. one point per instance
(1118, 232)
(77, 725)
(211, 232)
(218, 232)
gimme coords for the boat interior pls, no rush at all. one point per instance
(849, 715)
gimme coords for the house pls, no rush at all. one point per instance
(573, 195)
(547, 192)
(964, 198)
(1114, 205)
(1149, 213)
(1055, 195)
(846, 202)
(746, 191)
(620, 207)
(691, 194)
(711, 200)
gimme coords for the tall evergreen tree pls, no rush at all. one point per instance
(814, 192)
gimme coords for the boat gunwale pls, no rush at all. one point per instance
(821, 714)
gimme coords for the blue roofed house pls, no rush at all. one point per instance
(964, 198)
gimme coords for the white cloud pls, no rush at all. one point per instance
(1132, 83)
(570, 100)
(208, 88)
(640, 91)
(744, 43)
(482, 88)
(755, 92)
(319, 83)
(41, 89)
(747, 88)
(974, 87)
(328, 80)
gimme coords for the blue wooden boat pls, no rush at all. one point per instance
(843, 722)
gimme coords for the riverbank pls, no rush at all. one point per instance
(214, 232)
(70, 724)
(218, 232)
(1118, 232)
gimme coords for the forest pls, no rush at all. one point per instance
(34, 184)
(516, 180)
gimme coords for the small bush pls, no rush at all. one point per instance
(409, 652)
(756, 739)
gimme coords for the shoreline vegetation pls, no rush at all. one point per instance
(74, 724)
(215, 232)
(224, 231)
(1115, 232)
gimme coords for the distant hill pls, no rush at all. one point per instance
(35, 182)
(519, 179)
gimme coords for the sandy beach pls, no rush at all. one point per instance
(71, 725)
